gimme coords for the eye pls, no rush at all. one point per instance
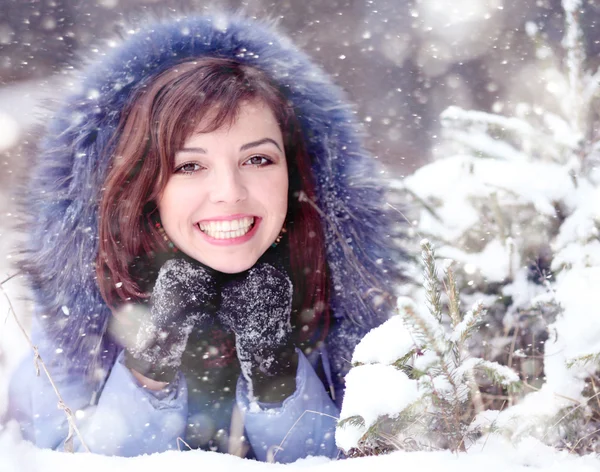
(258, 161)
(188, 168)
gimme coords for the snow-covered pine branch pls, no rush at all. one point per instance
(463, 329)
(514, 200)
(413, 376)
(431, 282)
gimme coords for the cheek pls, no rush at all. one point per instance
(164, 203)
(177, 191)
(168, 209)
(278, 196)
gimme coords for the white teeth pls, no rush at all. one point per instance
(227, 229)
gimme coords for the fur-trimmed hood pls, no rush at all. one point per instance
(61, 200)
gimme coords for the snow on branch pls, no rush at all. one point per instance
(413, 376)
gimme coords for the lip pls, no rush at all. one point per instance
(228, 218)
(231, 241)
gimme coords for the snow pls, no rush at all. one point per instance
(384, 344)
(455, 186)
(578, 294)
(579, 226)
(458, 180)
(507, 123)
(461, 328)
(492, 455)
(509, 374)
(10, 131)
(373, 390)
(493, 262)
(571, 5)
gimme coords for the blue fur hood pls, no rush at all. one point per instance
(61, 199)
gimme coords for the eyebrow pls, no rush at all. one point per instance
(243, 148)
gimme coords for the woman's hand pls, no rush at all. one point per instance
(256, 306)
(184, 296)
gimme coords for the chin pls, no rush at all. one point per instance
(230, 267)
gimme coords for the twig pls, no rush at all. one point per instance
(423, 203)
(10, 277)
(236, 445)
(528, 385)
(443, 410)
(278, 448)
(597, 398)
(180, 440)
(404, 216)
(39, 361)
(491, 426)
(512, 347)
(581, 439)
(579, 405)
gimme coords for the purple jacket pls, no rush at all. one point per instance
(118, 417)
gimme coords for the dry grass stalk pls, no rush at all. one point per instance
(38, 361)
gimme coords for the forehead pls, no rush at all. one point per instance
(250, 120)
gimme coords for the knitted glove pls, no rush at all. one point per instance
(256, 306)
(184, 297)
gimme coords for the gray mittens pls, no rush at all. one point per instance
(184, 297)
(256, 305)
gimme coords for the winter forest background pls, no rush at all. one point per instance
(486, 114)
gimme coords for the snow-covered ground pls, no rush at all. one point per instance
(493, 455)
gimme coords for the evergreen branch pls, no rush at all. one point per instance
(453, 310)
(468, 324)
(486, 146)
(498, 374)
(431, 283)
(453, 298)
(425, 328)
(454, 114)
(356, 421)
(402, 363)
(448, 370)
(581, 361)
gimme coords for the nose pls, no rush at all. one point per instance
(227, 186)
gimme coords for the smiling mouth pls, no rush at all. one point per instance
(227, 229)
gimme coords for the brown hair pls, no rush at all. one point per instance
(153, 127)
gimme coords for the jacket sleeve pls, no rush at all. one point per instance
(302, 425)
(115, 415)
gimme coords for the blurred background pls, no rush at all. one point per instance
(401, 62)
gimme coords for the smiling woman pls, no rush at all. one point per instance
(215, 210)
(236, 196)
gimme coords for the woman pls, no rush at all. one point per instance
(206, 246)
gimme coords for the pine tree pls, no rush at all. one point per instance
(426, 383)
(514, 199)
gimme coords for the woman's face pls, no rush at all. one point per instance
(226, 200)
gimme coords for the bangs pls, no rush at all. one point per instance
(204, 99)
